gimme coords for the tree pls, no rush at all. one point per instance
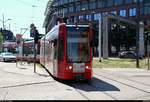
(1, 41)
(1, 38)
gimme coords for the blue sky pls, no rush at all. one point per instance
(23, 14)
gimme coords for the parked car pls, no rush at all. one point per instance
(7, 56)
(128, 54)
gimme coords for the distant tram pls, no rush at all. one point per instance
(27, 52)
(66, 52)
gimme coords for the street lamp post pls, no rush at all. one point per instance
(3, 23)
(100, 32)
(148, 48)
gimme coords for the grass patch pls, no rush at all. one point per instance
(119, 63)
(39, 65)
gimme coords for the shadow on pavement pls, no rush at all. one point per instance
(94, 85)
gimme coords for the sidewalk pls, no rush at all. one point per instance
(25, 69)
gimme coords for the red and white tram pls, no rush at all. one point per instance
(27, 52)
(66, 52)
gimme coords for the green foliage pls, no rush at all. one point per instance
(1, 38)
(119, 63)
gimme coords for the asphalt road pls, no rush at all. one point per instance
(20, 83)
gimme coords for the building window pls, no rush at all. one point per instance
(78, 8)
(71, 0)
(66, 1)
(75, 19)
(92, 4)
(71, 9)
(71, 19)
(100, 4)
(97, 16)
(135, 1)
(88, 17)
(145, 10)
(123, 13)
(128, 1)
(65, 10)
(114, 12)
(142, 0)
(108, 3)
(104, 13)
(132, 12)
(84, 6)
(81, 17)
(118, 2)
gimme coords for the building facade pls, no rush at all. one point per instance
(92, 10)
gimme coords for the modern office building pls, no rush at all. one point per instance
(92, 10)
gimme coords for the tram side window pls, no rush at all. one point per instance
(61, 49)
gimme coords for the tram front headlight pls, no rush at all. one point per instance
(87, 67)
(70, 67)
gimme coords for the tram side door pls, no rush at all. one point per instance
(55, 60)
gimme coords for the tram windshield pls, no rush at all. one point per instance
(78, 48)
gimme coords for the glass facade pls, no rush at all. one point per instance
(100, 3)
(92, 8)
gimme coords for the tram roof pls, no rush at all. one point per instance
(53, 33)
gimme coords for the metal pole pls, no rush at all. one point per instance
(9, 26)
(137, 46)
(137, 35)
(3, 21)
(148, 49)
(100, 31)
(34, 55)
(3, 33)
(17, 55)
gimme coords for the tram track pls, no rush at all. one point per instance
(124, 77)
(90, 84)
(124, 83)
(80, 92)
(93, 87)
(27, 84)
(14, 73)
